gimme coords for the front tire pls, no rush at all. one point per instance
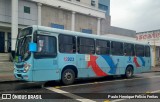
(68, 77)
(129, 72)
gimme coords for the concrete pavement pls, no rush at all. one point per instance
(156, 69)
(6, 71)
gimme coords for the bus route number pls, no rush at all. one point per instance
(68, 58)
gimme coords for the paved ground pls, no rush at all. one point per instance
(156, 69)
(90, 90)
(6, 71)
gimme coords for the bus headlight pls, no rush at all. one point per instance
(26, 67)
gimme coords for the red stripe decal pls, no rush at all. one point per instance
(97, 70)
(136, 62)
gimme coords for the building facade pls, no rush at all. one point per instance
(88, 16)
(153, 39)
(104, 5)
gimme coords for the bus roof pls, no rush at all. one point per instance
(80, 34)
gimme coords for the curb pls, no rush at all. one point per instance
(151, 71)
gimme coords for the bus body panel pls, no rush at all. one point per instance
(147, 61)
(46, 75)
(46, 69)
(66, 59)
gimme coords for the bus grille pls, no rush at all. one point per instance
(20, 71)
(19, 66)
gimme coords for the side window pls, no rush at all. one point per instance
(88, 31)
(116, 48)
(86, 45)
(46, 46)
(26, 9)
(139, 50)
(67, 44)
(129, 49)
(102, 47)
(147, 51)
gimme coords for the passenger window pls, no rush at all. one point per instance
(128, 49)
(86, 45)
(67, 44)
(116, 48)
(147, 51)
(46, 46)
(139, 50)
(102, 47)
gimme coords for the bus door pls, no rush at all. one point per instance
(82, 63)
(147, 66)
(45, 59)
(85, 57)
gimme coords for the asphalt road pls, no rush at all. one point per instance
(88, 90)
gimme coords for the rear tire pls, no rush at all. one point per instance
(68, 77)
(129, 72)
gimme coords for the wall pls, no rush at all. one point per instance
(23, 18)
(87, 2)
(57, 16)
(122, 31)
(85, 22)
(5, 11)
(105, 25)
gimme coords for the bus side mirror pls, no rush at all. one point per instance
(32, 47)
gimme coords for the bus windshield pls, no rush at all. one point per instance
(25, 32)
(22, 49)
(22, 46)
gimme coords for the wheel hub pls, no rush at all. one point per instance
(68, 76)
(129, 72)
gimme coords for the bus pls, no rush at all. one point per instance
(45, 54)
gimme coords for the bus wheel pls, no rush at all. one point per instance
(68, 77)
(129, 72)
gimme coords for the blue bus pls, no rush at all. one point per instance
(45, 54)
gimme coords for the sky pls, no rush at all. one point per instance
(138, 15)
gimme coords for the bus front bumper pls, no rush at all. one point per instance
(23, 76)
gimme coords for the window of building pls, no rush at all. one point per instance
(88, 31)
(26, 9)
(58, 26)
(116, 48)
(103, 7)
(86, 45)
(93, 3)
(67, 44)
(129, 49)
(47, 46)
(78, 0)
(139, 49)
(102, 47)
(147, 51)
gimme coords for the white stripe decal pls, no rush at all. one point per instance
(155, 91)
